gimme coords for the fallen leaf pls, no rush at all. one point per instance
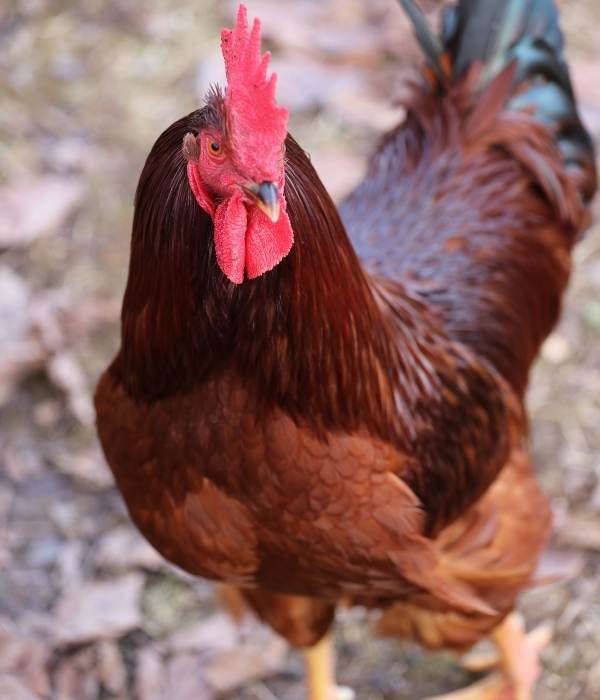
(75, 679)
(6, 499)
(43, 551)
(99, 610)
(581, 531)
(217, 632)
(124, 548)
(593, 680)
(559, 566)
(111, 669)
(66, 373)
(231, 654)
(24, 657)
(11, 688)
(185, 679)
(149, 675)
(258, 654)
(16, 361)
(87, 467)
(54, 322)
(14, 298)
(70, 562)
(36, 207)
(47, 413)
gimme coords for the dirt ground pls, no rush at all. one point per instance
(87, 609)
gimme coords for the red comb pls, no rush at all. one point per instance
(257, 125)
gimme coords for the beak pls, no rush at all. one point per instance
(266, 196)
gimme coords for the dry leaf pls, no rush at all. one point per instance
(87, 467)
(216, 633)
(560, 566)
(259, 653)
(14, 298)
(99, 610)
(124, 548)
(23, 657)
(111, 669)
(581, 531)
(185, 679)
(149, 675)
(70, 562)
(593, 680)
(11, 688)
(53, 322)
(231, 654)
(75, 679)
(36, 207)
(66, 373)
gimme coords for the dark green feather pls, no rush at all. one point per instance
(428, 40)
(497, 33)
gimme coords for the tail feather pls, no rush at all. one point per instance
(488, 31)
(494, 34)
(429, 42)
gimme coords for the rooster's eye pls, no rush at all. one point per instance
(215, 148)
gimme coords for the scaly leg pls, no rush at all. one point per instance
(320, 673)
(519, 653)
(517, 660)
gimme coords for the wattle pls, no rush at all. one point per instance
(230, 224)
(247, 241)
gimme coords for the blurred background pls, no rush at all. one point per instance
(87, 609)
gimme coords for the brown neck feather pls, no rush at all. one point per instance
(314, 337)
(309, 333)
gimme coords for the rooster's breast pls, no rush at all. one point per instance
(228, 490)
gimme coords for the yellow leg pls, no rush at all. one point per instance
(320, 673)
(517, 661)
(519, 653)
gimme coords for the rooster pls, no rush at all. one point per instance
(316, 405)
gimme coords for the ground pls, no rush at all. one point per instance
(87, 610)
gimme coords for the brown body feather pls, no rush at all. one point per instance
(331, 430)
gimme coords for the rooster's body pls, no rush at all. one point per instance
(342, 429)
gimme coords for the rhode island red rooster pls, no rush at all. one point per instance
(314, 405)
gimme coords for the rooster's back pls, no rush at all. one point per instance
(475, 202)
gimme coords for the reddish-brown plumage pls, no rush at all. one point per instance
(331, 429)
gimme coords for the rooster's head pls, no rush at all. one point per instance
(236, 161)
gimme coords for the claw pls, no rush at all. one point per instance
(517, 661)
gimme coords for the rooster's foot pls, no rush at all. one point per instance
(517, 659)
(320, 673)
